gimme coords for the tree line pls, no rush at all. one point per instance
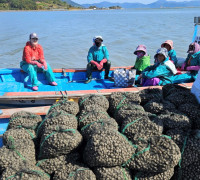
(32, 4)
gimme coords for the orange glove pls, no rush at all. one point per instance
(103, 61)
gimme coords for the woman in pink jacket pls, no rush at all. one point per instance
(33, 61)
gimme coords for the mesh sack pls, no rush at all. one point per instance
(113, 173)
(126, 110)
(17, 134)
(150, 94)
(158, 154)
(97, 127)
(25, 173)
(135, 127)
(110, 148)
(173, 120)
(166, 175)
(182, 97)
(58, 140)
(86, 118)
(16, 152)
(58, 118)
(69, 107)
(158, 107)
(118, 99)
(192, 112)
(24, 119)
(96, 100)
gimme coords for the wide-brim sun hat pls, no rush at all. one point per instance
(140, 48)
(169, 42)
(162, 51)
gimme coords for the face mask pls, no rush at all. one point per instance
(140, 54)
(34, 42)
(98, 43)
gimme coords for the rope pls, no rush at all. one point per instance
(120, 104)
(129, 124)
(34, 172)
(87, 98)
(179, 163)
(73, 173)
(53, 115)
(18, 117)
(99, 121)
(137, 175)
(124, 173)
(30, 133)
(92, 112)
(58, 104)
(137, 154)
(40, 162)
(11, 145)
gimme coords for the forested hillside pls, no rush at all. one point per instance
(32, 4)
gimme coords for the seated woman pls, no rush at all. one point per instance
(192, 62)
(33, 61)
(142, 60)
(171, 52)
(161, 72)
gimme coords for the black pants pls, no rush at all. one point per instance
(91, 67)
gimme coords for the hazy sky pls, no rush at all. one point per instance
(120, 1)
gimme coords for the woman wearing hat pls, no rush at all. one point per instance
(98, 58)
(33, 61)
(142, 60)
(192, 62)
(161, 72)
(171, 52)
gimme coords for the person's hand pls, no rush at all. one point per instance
(102, 62)
(45, 65)
(183, 67)
(39, 65)
(140, 77)
(99, 67)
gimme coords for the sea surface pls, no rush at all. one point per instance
(66, 36)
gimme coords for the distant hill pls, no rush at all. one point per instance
(157, 4)
(32, 5)
(72, 3)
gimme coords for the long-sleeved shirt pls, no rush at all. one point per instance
(31, 53)
(97, 54)
(164, 71)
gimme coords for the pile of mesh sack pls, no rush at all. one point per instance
(189, 144)
(144, 135)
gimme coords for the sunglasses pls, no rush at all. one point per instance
(34, 39)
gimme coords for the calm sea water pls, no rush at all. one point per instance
(66, 36)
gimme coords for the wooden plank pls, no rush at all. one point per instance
(41, 110)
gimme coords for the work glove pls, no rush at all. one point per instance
(99, 67)
(102, 62)
(183, 67)
(193, 68)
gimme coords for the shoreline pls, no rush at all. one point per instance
(87, 9)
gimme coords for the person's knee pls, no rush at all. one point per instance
(30, 68)
(89, 65)
(109, 62)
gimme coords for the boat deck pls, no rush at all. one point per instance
(14, 80)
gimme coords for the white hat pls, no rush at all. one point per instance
(97, 37)
(33, 35)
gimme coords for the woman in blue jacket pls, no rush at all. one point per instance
(161, 72)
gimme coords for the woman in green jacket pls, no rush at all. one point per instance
(142, 60)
